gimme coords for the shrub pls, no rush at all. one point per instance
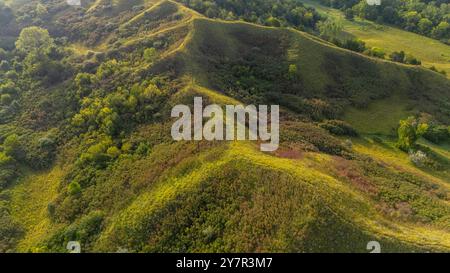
(273, 22)
(150, 54)
(7, 170)
(437, 134)
(348, 144)
(397, 56)
(74, 188)
(98, 154)
(409, 59)
(349, 14)
(308, 133)
(355, 45)
(12, 147)
(10, 230)
(376, 52)
(408, 133)
(9, 88)
(293, 71)
(113, 152)
(338, 127)
(5, 99)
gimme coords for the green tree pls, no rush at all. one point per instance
(12, 146)
(409, 131)
(355, 45)
(41, 10)
(442, 30)
(330, 28)
(293, 71)
(5, 99)
(397, 56)
(33, 39)
(377, 52)
(425, 25)
(412, 19)
(74, 188)
(349, 14)
(410, 59)
(273, 22)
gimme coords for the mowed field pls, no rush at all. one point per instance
(431, 52)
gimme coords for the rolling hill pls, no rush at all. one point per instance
(118, 181)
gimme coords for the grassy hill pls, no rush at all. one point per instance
(118, 180)
(431, 52)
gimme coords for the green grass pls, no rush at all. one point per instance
(431, 52)
(29, 201)
(380, 117)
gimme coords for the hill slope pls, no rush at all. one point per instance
(120, 182)
(430, 51)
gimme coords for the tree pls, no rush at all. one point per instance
(376, 52)
(425, 25)
(411, 18)
(397, 56)
(366, 11)
(389, 15)
(74, 188)
(33, 39)
(330, 28)
(349, 14)
(442, 30)
(410, 59)
(12, 147)
(409, 132)
(293, 71)
(273, 22)
(355, 45)
(5, 160)
(41, 10)
(5, 99)
(437, 134)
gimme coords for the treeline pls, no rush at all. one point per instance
(276, 13)
(429, 18)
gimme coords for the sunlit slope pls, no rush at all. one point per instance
(216, 197)
(431, 52)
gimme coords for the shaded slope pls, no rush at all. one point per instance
(251, 63)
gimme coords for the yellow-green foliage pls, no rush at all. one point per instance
(29, 205)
